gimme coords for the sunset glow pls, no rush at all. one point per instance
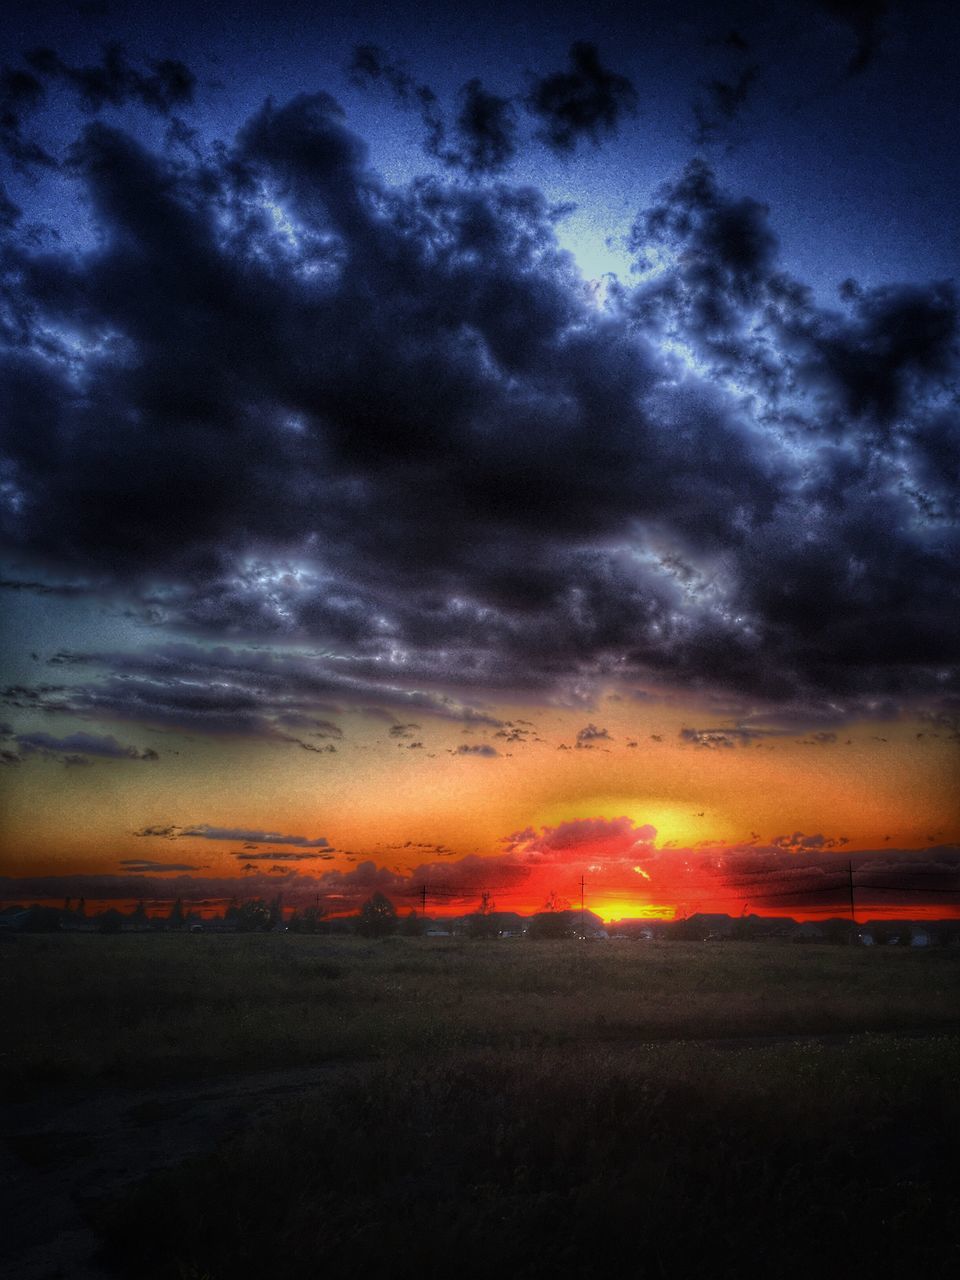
(418, 486)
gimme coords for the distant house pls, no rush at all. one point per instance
(567, 923)
(709, 925)
(808, 932)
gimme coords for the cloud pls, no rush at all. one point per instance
(590, 735)
(714, 738)
(615, 854)
(145, 866)
(800, 843)
(584, 839)
(77, 747)
(272, 856)
(486, 127)
(21, 94)
(586, 102)
(865, 19)
(204, 831)
(489, 483)
(114, 81)
(721, 103)
(247, 692)
(475, 749)
(370, 66)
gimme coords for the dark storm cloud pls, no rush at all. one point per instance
(485, 131)
(21, 94)
(114, 81)
(244, 692)
(371, 65)
(866, 20)
(585, 102)
(391, 423)
(721, 102)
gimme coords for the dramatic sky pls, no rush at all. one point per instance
(481, 449)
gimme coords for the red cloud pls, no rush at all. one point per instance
(612, 839)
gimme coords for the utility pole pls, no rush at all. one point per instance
(583, 931)
(853, 914)
(423, 900)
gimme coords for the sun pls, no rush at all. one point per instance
(678, 823)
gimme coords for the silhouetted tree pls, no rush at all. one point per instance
(275, 911)
(175, 918)
(110, 921)
(482, 922)
(139, 917)
(412, 925)
(253, 916)
(313, 919)
(378, 917)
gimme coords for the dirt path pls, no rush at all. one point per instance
(72, 1148)
(68, 1150)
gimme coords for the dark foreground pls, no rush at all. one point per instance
(551, 1112)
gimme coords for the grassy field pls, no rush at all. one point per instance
(662, 1161)
(153, 1007)
(533, 1109)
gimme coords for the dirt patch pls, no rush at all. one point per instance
(66, 1152)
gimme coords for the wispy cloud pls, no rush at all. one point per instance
(204, 831)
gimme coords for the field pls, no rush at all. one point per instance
(530, 1108)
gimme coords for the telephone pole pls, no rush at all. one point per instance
(853, 914)
(583, 931)
(423, 900)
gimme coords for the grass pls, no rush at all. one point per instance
(149, 1008)
(662, 1161)
(530, 1109)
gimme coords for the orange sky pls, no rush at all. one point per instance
(379, 799)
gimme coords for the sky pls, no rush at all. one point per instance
(477, 450)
